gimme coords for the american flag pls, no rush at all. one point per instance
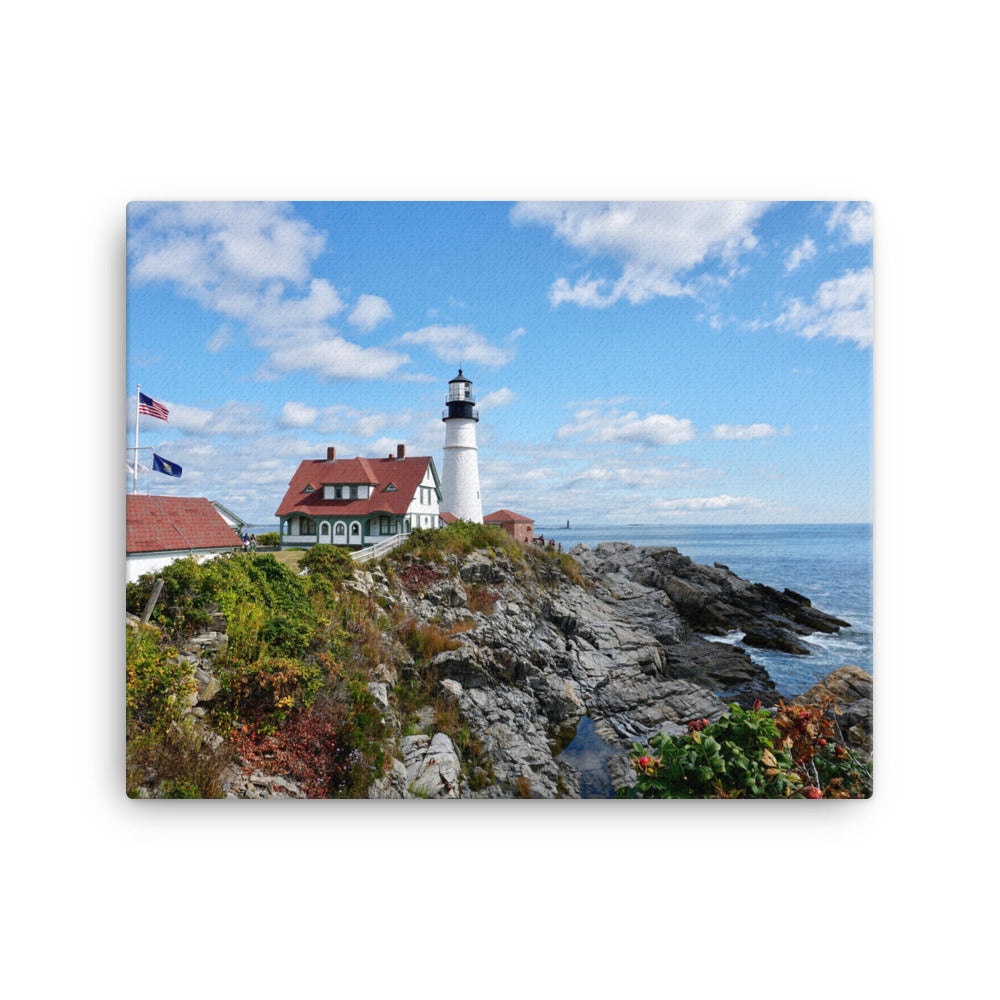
(151, 407)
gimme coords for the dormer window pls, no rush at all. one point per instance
(308, 489)
(347, 491)
(391, 488)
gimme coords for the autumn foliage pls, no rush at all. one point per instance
(796, 753)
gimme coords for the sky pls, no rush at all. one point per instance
(633, 362)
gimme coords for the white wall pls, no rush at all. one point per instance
(151, 562)
(417, 512)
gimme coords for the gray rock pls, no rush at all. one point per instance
(380, 693)
(433, 770)
(393, 783)
(209, 690)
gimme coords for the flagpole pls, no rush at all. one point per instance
(135, 453)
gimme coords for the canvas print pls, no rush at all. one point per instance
(489, 500)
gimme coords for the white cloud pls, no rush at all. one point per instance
(369, 312)
(233, 418)
(853, 221)
(462, 345)
(497, 398)
(361, 424)
(638, 478)
(655, 243)
(737, 432)
(240, 260)
(297, 415)
(374, 423)
(655, 429)
(721, 502)
(328, 355)
(841, 309)
(798, 255)
(272, 312)
(203, 246)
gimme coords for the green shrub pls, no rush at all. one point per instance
(267, 690)
(750, 754)
(739, 755)
(157, 684)
(270, 539)
(460, 538)
(184, 604)
(175, 763)
(330, 562)
(178, 788)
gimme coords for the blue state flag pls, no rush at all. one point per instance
(167, 468)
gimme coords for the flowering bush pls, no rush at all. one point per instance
(749, 754)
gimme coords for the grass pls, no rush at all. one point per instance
(460, 538)
(290, 558)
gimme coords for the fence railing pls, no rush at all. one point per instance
(379, 549)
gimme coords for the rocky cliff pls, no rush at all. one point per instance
(550, 668)
(622, 650)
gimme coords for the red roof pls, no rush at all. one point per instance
(405, 474)
(447, 518)
(505, 517)
(172, 524)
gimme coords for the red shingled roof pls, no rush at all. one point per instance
(504, 516)
(406, 474)
(172, 524)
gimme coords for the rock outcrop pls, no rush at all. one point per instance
(624, 656)
(850, 688)
(538, 660)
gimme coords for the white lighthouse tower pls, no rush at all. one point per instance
(460, 471)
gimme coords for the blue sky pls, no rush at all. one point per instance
(653, 362)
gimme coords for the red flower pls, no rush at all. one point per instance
(644, 762)
(756, 705)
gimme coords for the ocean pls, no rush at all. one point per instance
(831, 564)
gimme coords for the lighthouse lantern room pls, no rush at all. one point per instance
(460, 469)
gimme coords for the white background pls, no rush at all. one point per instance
(109, 102)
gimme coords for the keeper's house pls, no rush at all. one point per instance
(359, 501)
(159, 530)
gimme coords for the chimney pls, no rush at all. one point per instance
(331, 453)
(400, 451)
